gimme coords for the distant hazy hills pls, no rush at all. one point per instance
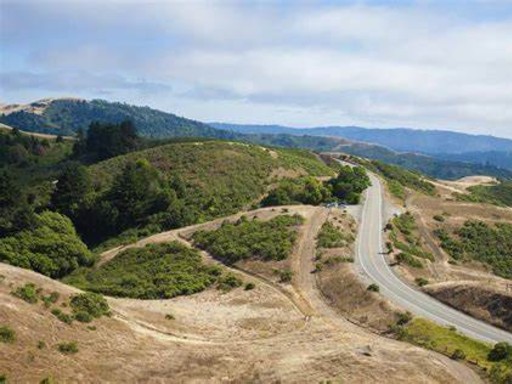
(398, 139)
(439, 154)
(480, 149)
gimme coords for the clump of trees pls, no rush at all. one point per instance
(349, 184)
(157, 271)
(477, 240)
(52, 247)
(106, 140)
(303, 190)
(346, 187)
(16, 208)
(265, 240)
(139, 196)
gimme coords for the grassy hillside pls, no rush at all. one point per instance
(499, 194)
(399, 178)
(202, 180)
(67, 116)
(476, 240)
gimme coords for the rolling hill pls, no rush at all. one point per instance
(398, 139)
(67, 116)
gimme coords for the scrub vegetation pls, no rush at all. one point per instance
(477, 240)
(157, 271)
(264, 240)
(405, 241)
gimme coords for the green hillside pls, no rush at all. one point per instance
(183, 183)
(499, 194)
(67, 116)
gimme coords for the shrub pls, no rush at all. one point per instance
(90, 304)
(68, 348)
(266, 240)
(403, 318)
(439, 218)
(421, 281)
(83, 317)
(249, 286)
(50, 299)
(285, 276)
(27, 293)
(52, 248)
(7, 334)
(331, 237)
(41, 344)
(228, 282)
(373, 288)
(47, 380)
(410, 260)
(477, 240)
(501, 351)
(458, 354)
(157, 271)
(64, 317)
(169, 316)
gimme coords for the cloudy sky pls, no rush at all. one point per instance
(424, 64)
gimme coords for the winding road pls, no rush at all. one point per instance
(371, 260)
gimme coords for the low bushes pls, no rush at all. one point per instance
(7, 334)
(332, 237)
(52, 248)
(265, 240)
(476, 240)
(68, 348)
(157, 271)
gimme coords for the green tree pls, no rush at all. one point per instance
(138, 192)
(15, 211)
(349, 184)
(501, 351)
(72, 190)
(52, 248)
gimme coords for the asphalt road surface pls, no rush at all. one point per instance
(371, 259)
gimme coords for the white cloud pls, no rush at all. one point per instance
(356, 64)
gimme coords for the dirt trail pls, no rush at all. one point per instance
(271, 333)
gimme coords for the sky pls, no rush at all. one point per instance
(420, 64)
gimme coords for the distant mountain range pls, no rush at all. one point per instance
(478, 149)
(440, 154)
(397, 139)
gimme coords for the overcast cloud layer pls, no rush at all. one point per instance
(445, 65)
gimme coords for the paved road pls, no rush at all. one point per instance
(373, 263)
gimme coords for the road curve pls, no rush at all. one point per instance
(372, 261)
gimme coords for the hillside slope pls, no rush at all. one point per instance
(67, 116)
(203, 180)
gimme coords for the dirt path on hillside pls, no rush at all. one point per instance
(286, 328)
